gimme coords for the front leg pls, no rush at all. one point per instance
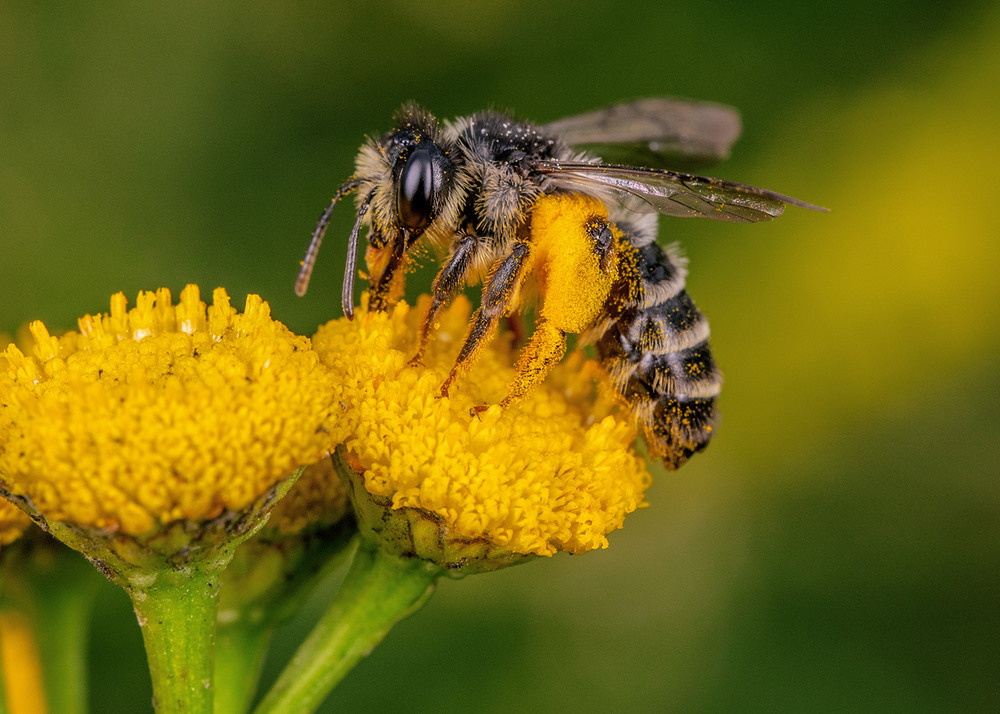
(447, 282)
(388, 266)
(499, 297)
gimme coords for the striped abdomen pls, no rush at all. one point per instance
(653, 342)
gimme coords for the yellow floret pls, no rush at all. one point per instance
(318, 499)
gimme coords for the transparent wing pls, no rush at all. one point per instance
(669, 192)
(656, 131)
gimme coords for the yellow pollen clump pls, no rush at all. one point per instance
(160, 413)
(574, 284)
(554, 472)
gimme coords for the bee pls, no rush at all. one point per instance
(505, 199)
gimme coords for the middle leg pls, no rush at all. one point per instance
(499, 297)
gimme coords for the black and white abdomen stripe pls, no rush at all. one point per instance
(653, 342)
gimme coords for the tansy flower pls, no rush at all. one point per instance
(556, 471)
(13, 521)
(318, 500)
(155, 440)
(436, 490)
(161, 413)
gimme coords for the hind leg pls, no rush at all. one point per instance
(547, 347)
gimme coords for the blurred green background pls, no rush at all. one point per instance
(836, 549)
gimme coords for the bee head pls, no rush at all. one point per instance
(402, 181)
(409, 170)
(405, 178)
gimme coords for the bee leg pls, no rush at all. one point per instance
(387, 288)
(446, 284)
(499, 297)
(547, 347)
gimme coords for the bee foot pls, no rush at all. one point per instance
(447, 385)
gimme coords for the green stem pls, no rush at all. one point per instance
(239, 656)
(267, 584)
(379, 590)
(176, 613)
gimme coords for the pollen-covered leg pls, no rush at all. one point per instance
(447, 282)
(547, 347)
(388, 270)
(499, 298)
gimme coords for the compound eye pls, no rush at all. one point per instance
(416, 190)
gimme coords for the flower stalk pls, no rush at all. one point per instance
(379, 590)
(176, 614)
(239, 656)
(266, 584)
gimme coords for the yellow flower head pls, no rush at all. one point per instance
(553, 472)
(161, 413)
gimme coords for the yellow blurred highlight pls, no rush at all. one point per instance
(22, 673)
(845, 314)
